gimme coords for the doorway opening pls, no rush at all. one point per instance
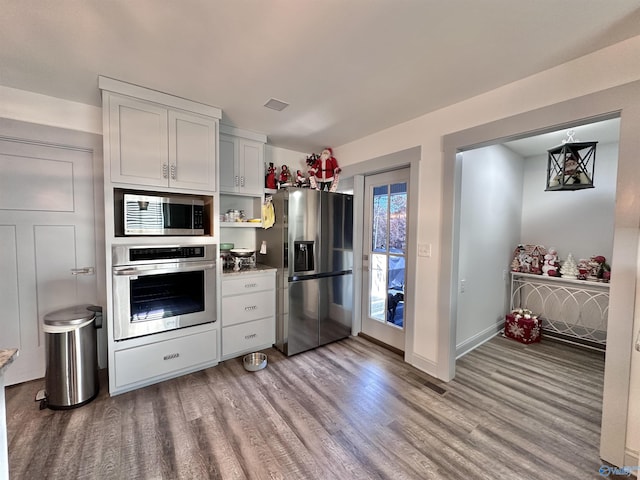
(503, 204)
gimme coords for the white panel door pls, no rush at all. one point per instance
(47, 233)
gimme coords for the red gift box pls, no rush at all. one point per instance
(524, 330)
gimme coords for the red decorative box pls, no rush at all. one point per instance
(524, 330)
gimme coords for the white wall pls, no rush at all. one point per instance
(490, 211)
(610, 67)
(579, 222)
(292, 159)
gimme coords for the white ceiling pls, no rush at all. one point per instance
(607, 131)
(348, 68)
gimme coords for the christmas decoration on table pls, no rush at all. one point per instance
(523, 325)
(599, 269)
(550, 266)
(569, 268)
(284, 180)
(583, 269)
(528, 259)
(325, 171)
(270, 178)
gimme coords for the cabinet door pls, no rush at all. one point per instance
(192, 152)
(251, 162)
(228, 165)
(138, 142)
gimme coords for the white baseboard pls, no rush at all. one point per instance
(424, 364)
(479, 338)
(632, 459)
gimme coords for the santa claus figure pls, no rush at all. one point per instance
(325, 170)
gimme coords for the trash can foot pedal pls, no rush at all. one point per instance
(41, 397)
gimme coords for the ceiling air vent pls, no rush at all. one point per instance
(276, 104)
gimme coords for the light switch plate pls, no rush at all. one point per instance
(424, 250)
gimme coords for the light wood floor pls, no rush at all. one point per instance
(349, 410)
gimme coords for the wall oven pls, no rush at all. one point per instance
(160, 288)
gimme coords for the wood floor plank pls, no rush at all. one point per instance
(350, 409)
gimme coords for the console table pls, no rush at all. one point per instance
(572, 310)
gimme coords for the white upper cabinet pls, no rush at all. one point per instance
(158, 140)
(241, 165)
(192, 151)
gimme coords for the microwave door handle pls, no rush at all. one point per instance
(157, 269)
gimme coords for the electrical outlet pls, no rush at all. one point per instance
(424, 250)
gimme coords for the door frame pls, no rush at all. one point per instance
(405, 158)
(371, 323)
(618, 101)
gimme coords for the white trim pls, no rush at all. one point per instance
(632, 459)
(478, 339)
(123, 88)
(424, 364)
(239, 132)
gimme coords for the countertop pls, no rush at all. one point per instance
(248, 271)
(6, 357)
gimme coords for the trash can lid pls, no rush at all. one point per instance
(75, 315)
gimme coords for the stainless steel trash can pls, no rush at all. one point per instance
(71, 377)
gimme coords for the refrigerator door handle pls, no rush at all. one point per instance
(298, 278)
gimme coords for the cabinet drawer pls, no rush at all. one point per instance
(242, 284)
(243, 308)
(247, 336)
(148, 361)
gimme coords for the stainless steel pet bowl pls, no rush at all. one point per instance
(242, 252)
(254, 361)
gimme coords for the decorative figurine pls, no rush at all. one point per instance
(270, 179)
(569, 268)
(324, 171)
(301, 180)
(550, 267)
(285, 177)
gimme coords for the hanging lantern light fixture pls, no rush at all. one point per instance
(571, 165)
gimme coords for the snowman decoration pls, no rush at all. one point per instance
(550, 266)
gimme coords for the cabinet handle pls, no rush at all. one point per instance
(242, 181)
(250, 285)
(252, 307)
(249, 337)
(171, 356)
(236, 180)
(174, 169)
(165, 170)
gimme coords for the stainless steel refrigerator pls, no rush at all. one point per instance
(311, 245)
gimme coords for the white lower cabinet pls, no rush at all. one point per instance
(145, 364)
(248, 312)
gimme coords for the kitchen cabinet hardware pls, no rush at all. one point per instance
(250, 285)
(174, 170)
(165, 170)
(171, 356)
(250, 336)
(252, 307)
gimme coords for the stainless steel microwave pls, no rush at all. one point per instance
(162, 215)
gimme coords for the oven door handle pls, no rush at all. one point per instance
(163, 268)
